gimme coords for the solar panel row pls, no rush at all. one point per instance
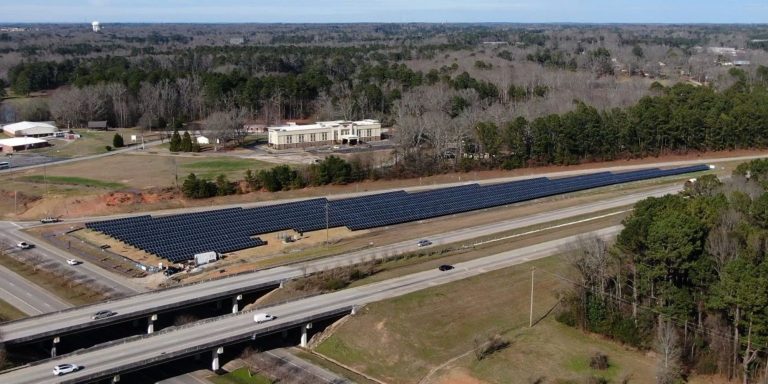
(180, 237)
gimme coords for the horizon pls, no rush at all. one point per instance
(657, 12)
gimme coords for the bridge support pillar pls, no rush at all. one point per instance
(53, 347)
(151, 323)
(235, 305)
(304, 329)
(215, 363)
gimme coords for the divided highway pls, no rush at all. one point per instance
(204, 336)
(143, 305)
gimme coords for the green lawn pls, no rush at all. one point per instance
(211, 168)
(240, 376)
(89, 143)
(73, 180)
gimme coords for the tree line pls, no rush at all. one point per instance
(449, 128)
(690, 269)
(331, 170)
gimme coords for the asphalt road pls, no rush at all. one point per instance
(27, 297)
(132, 148)
(144, 304)
(155, 347)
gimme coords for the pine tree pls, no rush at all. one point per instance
(186, 143)
(175, 141)
(117, 141)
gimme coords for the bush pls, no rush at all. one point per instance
(117, 141)
(108, 148)
(486, 348)
(598, 361)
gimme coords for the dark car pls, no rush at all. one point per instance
(445, 267)
(424, 243)
(103, 315)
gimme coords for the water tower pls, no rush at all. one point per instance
(96, 26)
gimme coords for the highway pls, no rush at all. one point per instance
(31, 298)
(203, 336)
(55, 324)
(27, 297)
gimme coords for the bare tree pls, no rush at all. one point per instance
(591, 258)
(121, 101)
(67, 106)
(668, 370)
(224, 126)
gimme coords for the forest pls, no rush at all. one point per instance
(687, 277)
(455, 97)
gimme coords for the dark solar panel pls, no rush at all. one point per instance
(180, 237)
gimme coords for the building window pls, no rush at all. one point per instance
(311, 137)
(324, 136)
(289, 139)
(301, 138)
(368, 133)
(344, 132)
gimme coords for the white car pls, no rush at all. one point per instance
(24, 245)
(63, 369)
(73, 262)
(263, 318)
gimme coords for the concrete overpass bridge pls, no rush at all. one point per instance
(109, 361)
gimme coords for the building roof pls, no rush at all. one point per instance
(24, 125)
(97, 124)
(19, 141)
(322, 125)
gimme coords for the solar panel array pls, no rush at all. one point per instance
(180, 237)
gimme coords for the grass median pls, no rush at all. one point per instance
(9, 312)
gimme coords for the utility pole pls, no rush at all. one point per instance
(530, 320)
(326, 222)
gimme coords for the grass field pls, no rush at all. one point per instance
(9, 312)
(239, 376)
(409, 336)
(89, 143)
(72, 180)
(211, 168)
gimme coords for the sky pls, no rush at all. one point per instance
(334, 11)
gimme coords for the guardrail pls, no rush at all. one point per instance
(128, 316)
(167, 356)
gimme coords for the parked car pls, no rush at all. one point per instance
(63, 369)
(445, 267)
(424, 243)
(73, 262)
(24, 245)
(48, 220)
(263, 318)
(103, 314)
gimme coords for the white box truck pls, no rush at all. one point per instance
(206, 257)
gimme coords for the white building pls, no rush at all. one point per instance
(324, 133)
(30, 129)
(21, 143)
(96, 26)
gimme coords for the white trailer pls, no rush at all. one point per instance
(206, 257)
